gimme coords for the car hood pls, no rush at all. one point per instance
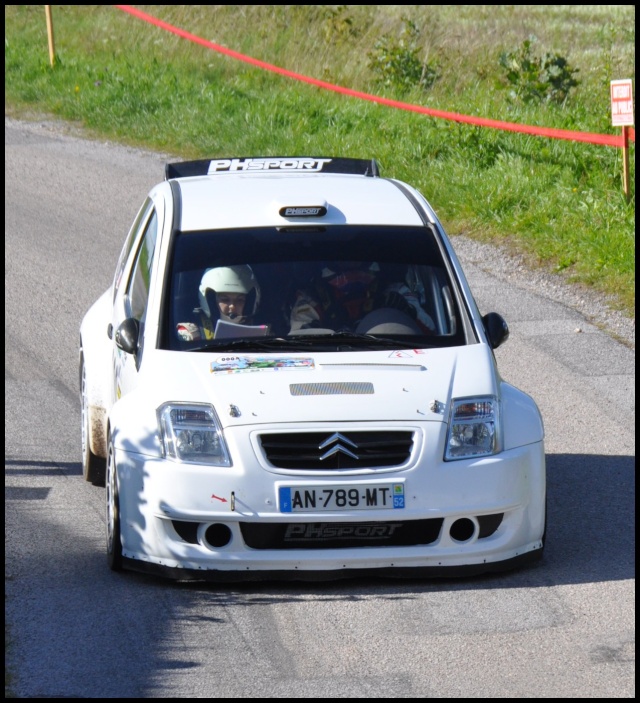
(403, 385)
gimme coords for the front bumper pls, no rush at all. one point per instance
(464, 517)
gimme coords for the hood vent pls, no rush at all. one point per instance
(331, 388)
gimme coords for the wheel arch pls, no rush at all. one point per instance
(95, 355)
(521, 417)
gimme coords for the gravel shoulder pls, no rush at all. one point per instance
(593, 306)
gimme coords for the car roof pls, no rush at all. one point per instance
(276, 192)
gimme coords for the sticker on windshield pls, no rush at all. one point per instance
(239, 364)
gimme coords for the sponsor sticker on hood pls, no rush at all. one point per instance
(239, 364)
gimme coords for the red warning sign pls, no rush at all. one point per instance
(621, 103)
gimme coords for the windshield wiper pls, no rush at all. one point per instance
(341, 340)
(344, 340)
(372, 340)
(251, 343)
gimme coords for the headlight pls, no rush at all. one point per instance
(473, 428)
(192, 433)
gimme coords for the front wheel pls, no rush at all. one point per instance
(114, 537)
(93, 467)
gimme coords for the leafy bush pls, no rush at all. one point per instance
(538, 79)
(396, 63)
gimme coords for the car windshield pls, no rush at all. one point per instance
(340, 287)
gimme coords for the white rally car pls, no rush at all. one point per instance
(289, 377)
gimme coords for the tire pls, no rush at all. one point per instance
(93, 467)
(114, 535)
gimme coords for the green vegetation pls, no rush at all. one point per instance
(560, 203)
(536, 78)
(396, 63)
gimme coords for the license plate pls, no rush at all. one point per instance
(305, 499)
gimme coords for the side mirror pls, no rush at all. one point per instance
(127, 335)
(496, 328)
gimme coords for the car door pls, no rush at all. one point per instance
(131, 297)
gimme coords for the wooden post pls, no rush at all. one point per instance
(52, 50)
(625, 161)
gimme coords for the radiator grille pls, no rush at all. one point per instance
(317, 451)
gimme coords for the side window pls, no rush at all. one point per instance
(138, 289)
(141, 218)
(439, 301)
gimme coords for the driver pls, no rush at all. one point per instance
(346, 292)
(340, 296)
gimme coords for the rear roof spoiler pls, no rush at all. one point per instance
(263, 164)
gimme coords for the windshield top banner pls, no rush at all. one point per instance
(271, 164)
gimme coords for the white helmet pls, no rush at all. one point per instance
(230, 279)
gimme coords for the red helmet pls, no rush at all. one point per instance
(352, 285)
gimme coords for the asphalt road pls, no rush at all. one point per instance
(564, 628)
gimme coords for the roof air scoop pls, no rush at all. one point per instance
(298, 211)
